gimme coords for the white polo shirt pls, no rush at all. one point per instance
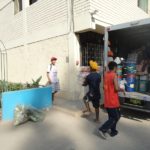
(52, 70)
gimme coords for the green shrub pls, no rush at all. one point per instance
(35, 83)
(19, 86)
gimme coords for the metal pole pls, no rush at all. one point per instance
(105, 49)
(4, 67)
(4, 71)
(1, 64)
(105, 57)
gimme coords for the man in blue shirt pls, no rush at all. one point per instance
(93, 81)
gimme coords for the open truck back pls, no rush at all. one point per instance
(132, 42)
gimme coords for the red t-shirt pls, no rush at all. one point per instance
(111, 95)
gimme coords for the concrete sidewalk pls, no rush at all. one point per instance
(72, 107)
(62, 131)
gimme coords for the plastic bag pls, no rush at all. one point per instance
(22, 114)
(35, 115)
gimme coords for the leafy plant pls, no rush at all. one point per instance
(15, 86)
(3, 86)
(20, 86)
(35, 83)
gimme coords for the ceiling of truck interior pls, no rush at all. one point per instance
(132, 37)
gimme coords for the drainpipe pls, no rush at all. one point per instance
(70, 16)
(25, 4)
(4, 66)
(71, 52)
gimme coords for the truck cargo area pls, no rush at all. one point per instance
(132, 42)
(130, 39)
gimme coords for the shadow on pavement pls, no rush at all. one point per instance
(44, 136)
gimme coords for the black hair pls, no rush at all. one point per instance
(112, 65)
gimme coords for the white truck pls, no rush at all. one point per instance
(126, 38)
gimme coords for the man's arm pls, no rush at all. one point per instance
(85, 83)
(47, 74)
(49, 80)
(117, 88)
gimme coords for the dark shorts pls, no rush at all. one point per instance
(96, 102)
(95, 99)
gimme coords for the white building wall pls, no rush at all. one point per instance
(81, 6)
(49, 18)
(149, 7)
(45, 13)
(11, 27)
(27, 63)
(117, 11)
(82, 16)
(34, 35)
(42, 19)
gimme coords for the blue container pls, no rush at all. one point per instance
(130, 64)
(130, 67)
(130, 87)
(131, 80)
(39, 98)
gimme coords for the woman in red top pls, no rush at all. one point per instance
(111, 101)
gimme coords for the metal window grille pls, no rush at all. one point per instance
(91, 48)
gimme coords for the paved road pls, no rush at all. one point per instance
(61, 131)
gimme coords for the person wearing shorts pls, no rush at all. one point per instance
(93, 81)
(53, 80)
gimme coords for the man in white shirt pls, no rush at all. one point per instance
(52, 77)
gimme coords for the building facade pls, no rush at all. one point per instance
(34, 30)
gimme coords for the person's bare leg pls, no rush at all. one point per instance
(88, 109)
(53, 97)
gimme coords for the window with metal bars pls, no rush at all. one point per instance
(91, 45)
